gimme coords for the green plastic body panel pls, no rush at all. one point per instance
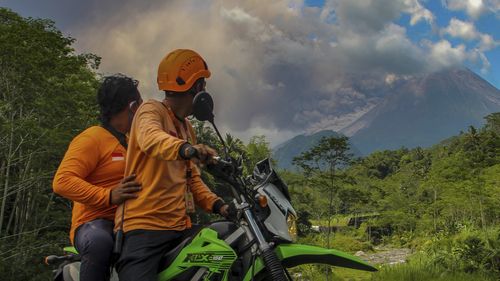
(70, 250)
(206, 250)
(295, 254)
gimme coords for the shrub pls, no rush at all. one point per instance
(468, 251)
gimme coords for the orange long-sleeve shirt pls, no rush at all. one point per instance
(153, 155)
(93, 164)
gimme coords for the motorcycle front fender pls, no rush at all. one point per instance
(292, 255)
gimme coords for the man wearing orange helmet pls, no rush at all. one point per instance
(161, 145)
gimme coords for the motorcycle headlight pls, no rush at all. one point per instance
(291, 221)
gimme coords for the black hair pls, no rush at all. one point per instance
(115, 94)
(192, 91)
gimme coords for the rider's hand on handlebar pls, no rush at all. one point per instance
(125, 190)
(229, 211)
(224, 211)
(204, 154)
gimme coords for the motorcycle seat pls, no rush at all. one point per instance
(170, 256)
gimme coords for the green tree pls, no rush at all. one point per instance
(324, 165)
(257, 149)
(493, 122)
(47, 95)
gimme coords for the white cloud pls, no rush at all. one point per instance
(467, 31)
(462, 29)
(487, 42)
(485, 64)
(495, 6)
(372, 15)
(418, 12)
(443, 54)
(473, 8)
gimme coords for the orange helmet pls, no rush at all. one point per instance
(179, 70)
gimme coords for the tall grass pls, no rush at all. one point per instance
(471, 254)
(421, 272)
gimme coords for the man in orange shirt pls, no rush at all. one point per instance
(91, 175)
(162, 142)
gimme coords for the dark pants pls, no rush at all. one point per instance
(142, 251)
(94, 242)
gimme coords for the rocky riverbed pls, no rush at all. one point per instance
(385, 255)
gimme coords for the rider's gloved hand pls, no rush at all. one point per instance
(228, 211)
(221, 208)
(198, 152)
(224, 211)
(232, 211)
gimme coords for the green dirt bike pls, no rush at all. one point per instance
(257, 243)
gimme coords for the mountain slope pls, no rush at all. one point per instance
(421, 111)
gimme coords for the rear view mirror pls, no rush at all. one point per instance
(203, 106)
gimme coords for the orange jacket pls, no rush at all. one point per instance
(93, 164)
(153, 155)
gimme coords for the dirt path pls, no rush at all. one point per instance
(385, 255)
